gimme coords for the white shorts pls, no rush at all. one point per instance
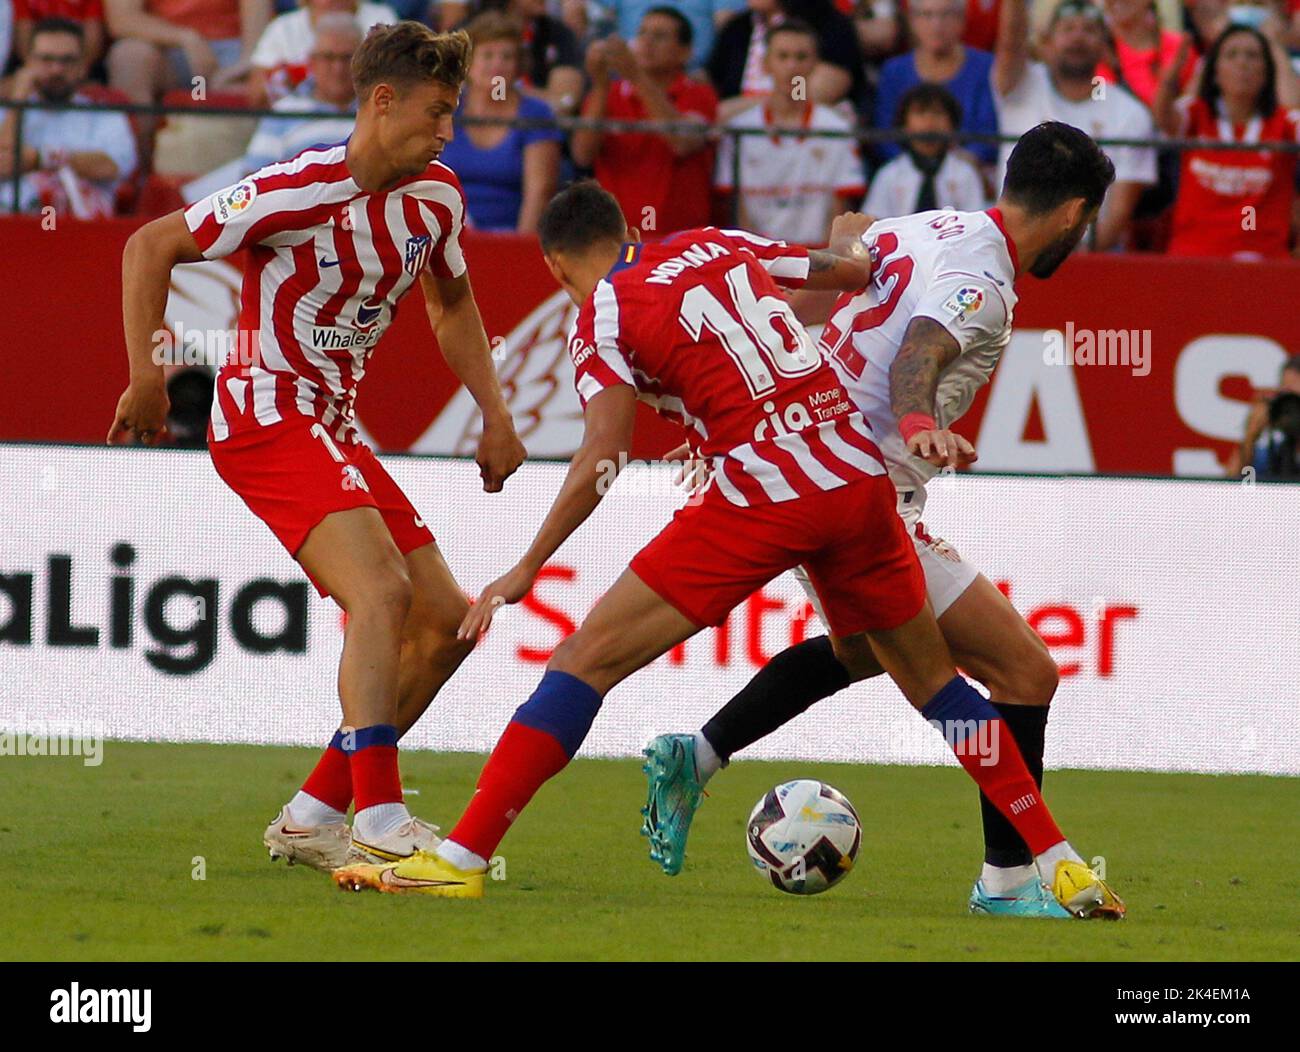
(947, 575)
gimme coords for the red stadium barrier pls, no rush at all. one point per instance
(1187, 341)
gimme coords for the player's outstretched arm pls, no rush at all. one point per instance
(928, 348)
(147, 263)
(459, 328)
(845, 264)
(606, 439)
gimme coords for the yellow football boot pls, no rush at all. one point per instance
(1079, 890)
(421, 874)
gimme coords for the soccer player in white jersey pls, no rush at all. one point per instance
(912, 348)
(334, 237)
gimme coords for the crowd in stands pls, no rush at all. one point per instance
(763, 98)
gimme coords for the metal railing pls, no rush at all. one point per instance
(862, 134)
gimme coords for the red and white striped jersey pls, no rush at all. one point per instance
(697, 326)
(327, 264)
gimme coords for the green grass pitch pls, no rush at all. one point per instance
(99, 864)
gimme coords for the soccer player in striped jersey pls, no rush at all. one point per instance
(913, 347)
(696, 327)
(334, 238)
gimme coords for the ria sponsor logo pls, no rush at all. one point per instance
(180, 615)
(324, 338)
(75, 1005)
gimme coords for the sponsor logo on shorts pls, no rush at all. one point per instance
(353, 479)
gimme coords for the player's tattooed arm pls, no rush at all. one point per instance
(606, 439)
(927, 350)
(456, 322)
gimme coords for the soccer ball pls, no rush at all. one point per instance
(803, 836)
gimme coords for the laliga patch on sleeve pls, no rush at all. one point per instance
(226, 204)
(964, 302)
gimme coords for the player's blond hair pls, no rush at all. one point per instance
(408, 53)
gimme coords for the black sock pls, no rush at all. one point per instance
(1028, 726)
(787, 685)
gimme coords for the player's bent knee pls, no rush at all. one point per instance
(386, 594)
(435, 641)
(586, 658)
(1026, 676)
(856, 655)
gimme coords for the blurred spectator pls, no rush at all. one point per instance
(327, 89)
(1235, 203)
(981, 24)
(89, 13)
(508, 173)
(1143, 50)
(662, 182)
(165, 44)
(6, 33)
(878, 28)
(941, 58)
(1271, 444)
(1061, 88)
(791, 187)
(980, 28)
(1208, 19)
(705, 17)
(928, 174)
(73, 160)
(551, 62)
(736, 63)
(279, 60)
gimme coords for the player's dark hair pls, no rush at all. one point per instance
(1266, 100)
(685, 31)
(407, 53)
(1292, 364)
(792, 25)
(60, 25)
(928, 97)
(584, 213)
(1054, 163)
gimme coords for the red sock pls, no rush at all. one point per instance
(330, 781)
(523, 759)
(375, 779)
(1012, 789)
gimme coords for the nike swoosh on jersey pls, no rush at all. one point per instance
(328, 262)
(992, 278)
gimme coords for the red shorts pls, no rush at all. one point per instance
(291, 479)
(855, 548)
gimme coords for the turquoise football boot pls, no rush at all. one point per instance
(674, 793)
(1031, 899)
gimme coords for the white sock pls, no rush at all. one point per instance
(998, 880)
(378, 820)
(312, 812)
(460, 857)
(1047, 861)
(707, 762)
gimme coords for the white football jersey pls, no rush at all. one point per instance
(955, 267)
